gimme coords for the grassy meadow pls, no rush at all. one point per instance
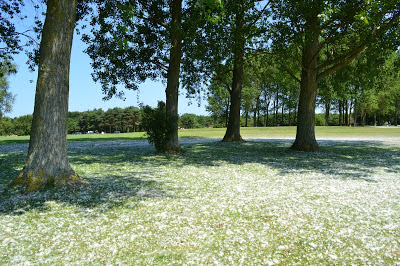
(249, 203)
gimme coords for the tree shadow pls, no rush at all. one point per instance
(104, 192)
(343, 160)
(346, 160)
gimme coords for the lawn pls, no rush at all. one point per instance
(250, 203)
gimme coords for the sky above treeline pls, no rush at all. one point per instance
(85, 94)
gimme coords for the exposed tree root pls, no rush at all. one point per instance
(36, 180)
(305, 146)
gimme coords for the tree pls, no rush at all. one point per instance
(12, 41)
(137, 40)
(344, 28)
(188, 121)
(218, 102)
(6, 97)
(224, 43)
(47, 162)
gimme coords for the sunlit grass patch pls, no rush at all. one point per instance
(255, 202)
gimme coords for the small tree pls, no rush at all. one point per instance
(157, 126)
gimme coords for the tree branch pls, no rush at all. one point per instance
(151, 19)
(290, 72)
(340, 62)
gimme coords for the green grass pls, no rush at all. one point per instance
(249, 132)
(250, 203)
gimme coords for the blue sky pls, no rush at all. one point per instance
(85, 94)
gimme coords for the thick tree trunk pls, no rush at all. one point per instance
(47, 162)
(346, 113)
(233, 128)
(340, 113)
(173, 75)
(327, 111)
(305, 136)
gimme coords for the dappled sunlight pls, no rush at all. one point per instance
(255, 201)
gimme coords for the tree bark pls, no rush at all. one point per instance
(47, 162)
(233, 128)
(173, 75)
(327, 110)
(305, 136)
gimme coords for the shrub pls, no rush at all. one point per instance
(158, 128)
(319, 120)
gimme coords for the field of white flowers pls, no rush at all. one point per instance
(249, 203)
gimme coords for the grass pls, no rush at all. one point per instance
(246, 132)
(247, 203)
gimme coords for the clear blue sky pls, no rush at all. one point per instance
(84, 93)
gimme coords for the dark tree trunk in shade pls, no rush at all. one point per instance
(173, 75)
(233, 128)
(327, 111)
(305, 136)
(47, 162)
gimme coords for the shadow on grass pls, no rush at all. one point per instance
(121, 182)
(104, 192)
(347, 160)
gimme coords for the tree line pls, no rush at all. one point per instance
(126, 120)
(203, 44)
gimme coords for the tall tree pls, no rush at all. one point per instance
(136, 40)
(47, 162)
(314, 26)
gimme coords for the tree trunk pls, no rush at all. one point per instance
(273, 111)
(350, 112)
(364, 118)
(327, 110)
(277, 106)
(375, 119)
(255, 117)
(340, 113)
(233, 129)
(258, 104)
(355, 113)
(173, 75)
(346, 111)
(47, 162)
(266, 114)
(305, 136)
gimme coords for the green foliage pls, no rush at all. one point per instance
(6, 97)
(20, 126)
(189, 121)
(158, 128)
(319, 120)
